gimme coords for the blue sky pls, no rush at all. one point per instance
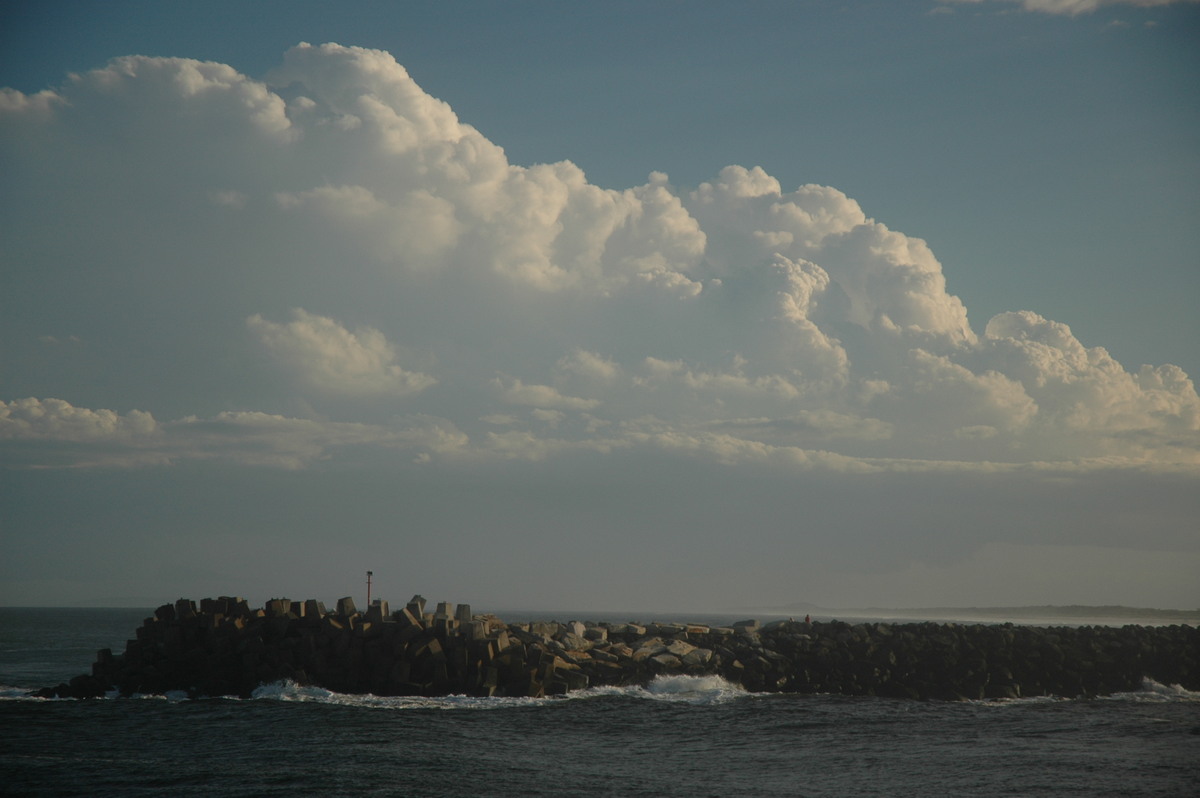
(774, 393)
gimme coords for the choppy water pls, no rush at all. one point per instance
(678, 737)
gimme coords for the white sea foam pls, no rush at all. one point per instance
(681, 689)
(288, 690)
(1153, 691)
(1149, 692)
(171, 696)
(687, 689)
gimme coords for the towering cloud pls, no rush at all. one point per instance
(330, 261)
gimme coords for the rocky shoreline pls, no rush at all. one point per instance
(224, 647)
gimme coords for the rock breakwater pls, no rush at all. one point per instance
(223, 646)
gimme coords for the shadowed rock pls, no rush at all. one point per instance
(222, 647)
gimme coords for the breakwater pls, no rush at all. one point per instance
(223, 646)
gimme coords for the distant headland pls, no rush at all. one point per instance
(1017, 614)
(223, 646)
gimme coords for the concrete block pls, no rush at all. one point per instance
(544, 628)
(345, 607)
(406, 617)
(463, 613)
(576, 680)
(416, 605)
(429, 648)
(408, 633)
(680, 648)
(473, 630)
(484, 650)
(573, 642)
(378, 611)
(653, 644)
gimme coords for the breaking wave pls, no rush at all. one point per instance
(700, 690)
(1152, 691)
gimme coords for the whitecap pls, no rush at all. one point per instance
(10, 693)
(288, 690)
(1155, 692)
(680, 689)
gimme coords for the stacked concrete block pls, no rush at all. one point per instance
(378, 612)
(223, 647)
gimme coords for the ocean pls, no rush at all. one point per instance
(681, 736)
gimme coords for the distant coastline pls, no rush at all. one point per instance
(1041, 613)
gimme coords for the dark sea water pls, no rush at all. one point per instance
(678, 737)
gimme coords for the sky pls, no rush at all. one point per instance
(651, 306)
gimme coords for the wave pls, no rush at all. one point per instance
(289, 691)
(9, 693)
(1150, 692)
(700, 690)
(1154, 692)
(697, 690)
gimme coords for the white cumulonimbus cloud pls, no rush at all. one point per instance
(735, 320)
